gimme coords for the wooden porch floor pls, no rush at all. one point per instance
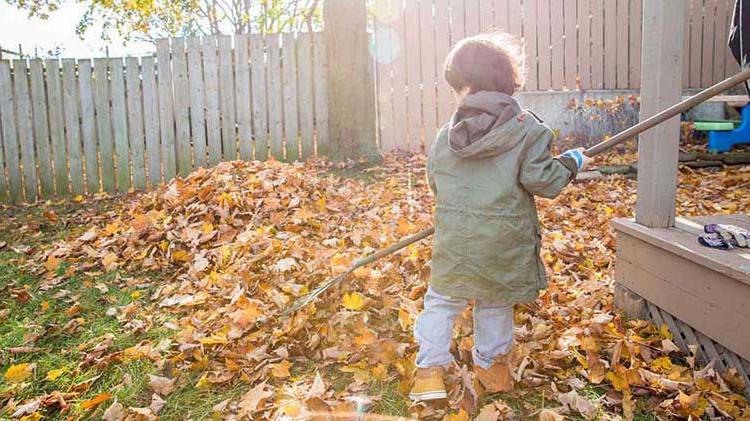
(702, 294)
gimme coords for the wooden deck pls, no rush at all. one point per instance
(702, 294)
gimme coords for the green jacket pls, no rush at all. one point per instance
(485, 168)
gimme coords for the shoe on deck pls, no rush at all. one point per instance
(428, 385)
(498, 377)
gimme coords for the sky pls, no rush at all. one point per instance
(58, 30)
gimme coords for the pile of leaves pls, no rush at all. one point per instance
(235, 245)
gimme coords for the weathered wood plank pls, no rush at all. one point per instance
(686, 45)
(306, 94)
(41, 130)
(428, 69)
(557, 42)
(597, 45)
(622, 27)
(471, 10)
(662, 87)
(398, 81)
(135, 122)
(259, 106)
(10, 133)
(384, 97)
(197, 102)
(530, 44)
(25, 129)
(515, 8)
(584, 44)
(291, 106)
(275, 97)
(709, 30)
(151, 121)
(120, 125)
(320, 68)
(88, 127)
(213, 108)
(722, 21)
(458, 21)
(72, 128)
(610, 44)
(226, 99)
(502, 15)
(242, 96)
(166, 109)
(634, 60)
(442, 46)
(676, 332)
(413, 77)
(486, 14)
(571, 43)
(104, 124)
(696, 42)
(544, 41)
(181, 107)
(57, 126)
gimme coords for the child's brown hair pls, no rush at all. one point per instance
(485, 62)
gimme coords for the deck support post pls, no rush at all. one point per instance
(629, 303)
(661, 87)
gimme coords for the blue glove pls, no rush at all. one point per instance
(577, 155)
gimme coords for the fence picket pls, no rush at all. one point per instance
(10, 134)
(41, 130)
(306, 95)
(557, 42)
(166, 109)
(623, 27)
(458, 21)
(25, 128)
(428, 75)
(291, 107)
(57, 126)
(530, 44)
(636, 17)
(610, 44)
(544, 41)
(181, 106)
(413, 77)
(88, 127)
(275, 97)
(486, 14)
(471, 11)
(151, 121)
(120, 124)
(320, 69)
(502, 17)
(197, 102)
(72, 128)
(104, 123)
(135, 122)
(259, 106)
(696, 42)
(597, 45)
(442, 46)
(721, 20)
(685, 44)
(243, 97)
(709, 28)
(398, 37)
(515, 18)
(571, 43)
(3, 182)
(226, 98)
(213, 109)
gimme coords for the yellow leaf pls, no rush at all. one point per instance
(589, 343)
(203, 382)
(95, 401)
(380, 372)
(36, 416)
(78, 198)
(461, 415)
(52, 263)
(19, 372)
(662, 364)
(215, 340)
(291, 409)
(54, 374)
(281, 369)
(45, 305)
(354, 301)
(664, 332)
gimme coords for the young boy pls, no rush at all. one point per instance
(484, 169)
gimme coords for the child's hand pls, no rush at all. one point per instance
(582, 160)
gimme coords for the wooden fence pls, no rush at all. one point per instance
(568, 44)
(113, 124)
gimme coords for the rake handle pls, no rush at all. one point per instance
(670, 112)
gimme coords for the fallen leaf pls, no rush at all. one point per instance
(95, 401)
(157, 403)
(250, 400)
(161, 385)
(115, 412)
(281, 369)
(550, 415)
(354, 301)
(19, 372)
(52, 375)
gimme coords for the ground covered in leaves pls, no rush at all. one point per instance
(167, 304)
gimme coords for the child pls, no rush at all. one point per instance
(484, 169)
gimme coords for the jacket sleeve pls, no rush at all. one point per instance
(540, 173)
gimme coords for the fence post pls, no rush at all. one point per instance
(351, 91)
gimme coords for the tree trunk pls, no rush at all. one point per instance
(351, 91)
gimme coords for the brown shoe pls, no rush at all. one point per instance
(498, 377)
(428, 385)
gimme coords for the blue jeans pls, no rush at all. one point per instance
(433, 330)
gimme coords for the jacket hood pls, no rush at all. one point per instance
(485, 124)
